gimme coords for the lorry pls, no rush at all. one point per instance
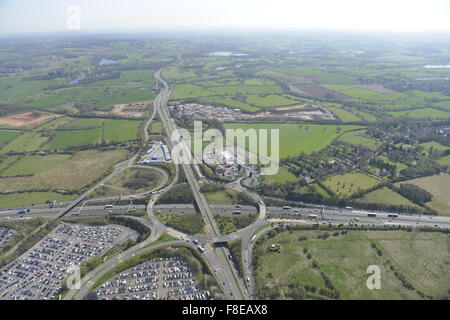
(312, 216)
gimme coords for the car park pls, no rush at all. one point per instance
(158, 278)
(39, 272)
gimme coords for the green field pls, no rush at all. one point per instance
(258, 82)
(29, 165)
(175, 73)
(366, 116)
(226, 197)
(245, 90)
(420, 258)
(128, 78)
(55, 123)
(66, 139)
(114, 131)
(358, 93)
(306, 71)
(60, 172)
(283, 176)
(12, 89)
(347, 184)
(184, 91)
(31, 198)
(295, 138)
(359, 139)
(44, 100)
(344, 115)
(5, 162)
(7, 136)
(27, 142)
(438, 186)
(421, 113)
(271, 100)
(388, 197)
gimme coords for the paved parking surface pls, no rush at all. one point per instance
(40, 272)
(168, 278)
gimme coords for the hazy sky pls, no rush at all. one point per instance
(19, 16)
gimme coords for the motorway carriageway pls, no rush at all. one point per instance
(361, 217)
(122, 209)
(329, 214)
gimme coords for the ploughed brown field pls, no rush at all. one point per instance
(317, 91)
(315, 78)
(130, 110)
(376, 88)
(27, 119)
